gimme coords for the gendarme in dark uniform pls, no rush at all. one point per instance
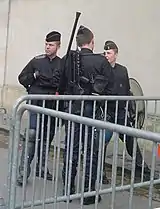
(92, 67)
(122, 88)
(41, 76)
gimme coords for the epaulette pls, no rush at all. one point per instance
(40, 56)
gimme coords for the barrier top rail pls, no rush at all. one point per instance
(91, 122)
(84, 97)
(78, 97)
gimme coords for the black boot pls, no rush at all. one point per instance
(147, 172)
(72, 191)
(65, 184)
(20, 181)
(30, 156)
(90, 200)
(48, 175)
(138, 169)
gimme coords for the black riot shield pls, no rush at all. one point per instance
(136, 90)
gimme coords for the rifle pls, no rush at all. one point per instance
(66, 59)
(73, 59)
(73, 33)
(76, 69)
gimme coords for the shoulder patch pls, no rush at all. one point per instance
(40, 56)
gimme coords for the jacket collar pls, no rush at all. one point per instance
(86, 50)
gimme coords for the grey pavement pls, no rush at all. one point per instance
(121, 200)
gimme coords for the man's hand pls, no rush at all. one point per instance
(36, 74)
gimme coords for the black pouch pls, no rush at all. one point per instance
(99, 84)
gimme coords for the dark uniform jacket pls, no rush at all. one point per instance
(121, 87)
(92, 65)
(121, 80)
(47, 75)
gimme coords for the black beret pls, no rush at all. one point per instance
(110, 45)
(53, 36)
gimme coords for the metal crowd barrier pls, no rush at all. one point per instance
(27, 197)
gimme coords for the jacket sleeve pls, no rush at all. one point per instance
(63, 78)
(128, 93)
(131, 104)
(26, 77)
(108, 74)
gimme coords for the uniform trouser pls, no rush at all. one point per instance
(76, 142)
(129, 143)
(32, 140)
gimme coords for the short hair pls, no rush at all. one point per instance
(84, 36)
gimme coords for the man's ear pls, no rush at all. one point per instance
(116, 54)
(92, 43)
(58, 45)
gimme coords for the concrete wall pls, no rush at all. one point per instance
(133, 25)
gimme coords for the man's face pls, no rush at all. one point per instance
(51, 48)
(110, 55)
